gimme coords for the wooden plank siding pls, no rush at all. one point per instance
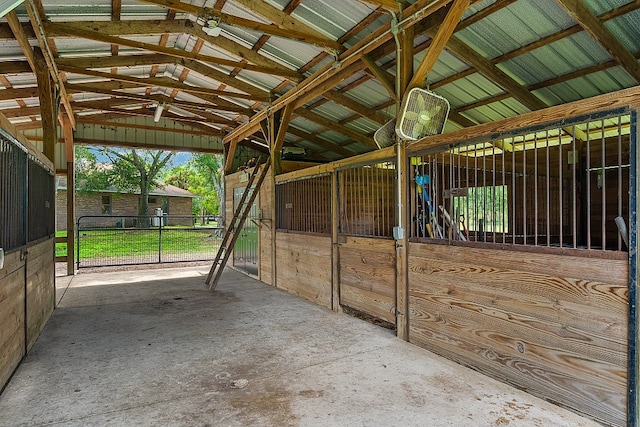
(264, 239)
(304, 266)
(40, 288)
(367, 276)
(12, 335)
(553, 325)
(25, 281)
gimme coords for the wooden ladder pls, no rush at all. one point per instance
(235, 226)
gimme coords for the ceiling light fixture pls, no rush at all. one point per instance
(7, 6)
(156, 116)
(213, 27)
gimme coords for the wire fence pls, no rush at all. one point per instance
(128, 240)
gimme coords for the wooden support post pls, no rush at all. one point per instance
(405, 71)
(48, 107)
(402, 266)
(71, 194)
(271, 137)
(335, 247)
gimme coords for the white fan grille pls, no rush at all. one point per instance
(423, 113)
(386, 135)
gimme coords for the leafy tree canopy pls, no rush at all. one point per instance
(202, 175)
(126, 169)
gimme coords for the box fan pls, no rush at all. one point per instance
(423, 113)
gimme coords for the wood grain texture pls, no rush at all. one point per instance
(304, 267)
(555, 326)
(12, 346)
(40, 289)
(264, 239)
(367, 276)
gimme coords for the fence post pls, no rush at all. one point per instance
(160, 239)
(78, 243)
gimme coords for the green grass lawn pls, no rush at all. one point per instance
(136, 242)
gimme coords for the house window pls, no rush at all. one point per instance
(153, 200)
(106, 205)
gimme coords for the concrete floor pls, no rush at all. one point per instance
(155, 348)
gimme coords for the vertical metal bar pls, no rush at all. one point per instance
(524, 191)
(548, 168)
(475, 193)
(494, 216)
(535, 189)
(560, 188)
(619, 176)
(505, 199)
(466, 199)
(513, 187)
(574, 199)
(632, 358)
(588, 173)
(603, 193)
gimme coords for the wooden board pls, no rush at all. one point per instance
(40, 288)
(12, 339)
(304, 266)
(264, 239)
(367, 276)
(555, 326)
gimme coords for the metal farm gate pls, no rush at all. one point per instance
(127, 240)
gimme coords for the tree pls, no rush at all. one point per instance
(213, 166)
(202, 175)
(126, 169)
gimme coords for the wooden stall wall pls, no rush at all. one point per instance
(265, 241)
(553, 325)
(26, 283)
(304, 266)
(40, 288)
(12, 331)
(368, 276)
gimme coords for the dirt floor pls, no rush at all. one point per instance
(154, 347)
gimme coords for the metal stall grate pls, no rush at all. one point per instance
(305, 205)
(558, 186)
(367, 200)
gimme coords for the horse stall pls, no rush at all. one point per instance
(508, 247)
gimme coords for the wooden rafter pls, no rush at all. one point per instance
(162, 82)
(205, 12)
(324, 79)
(591, 24)
(440, 40)
(70, 30)
(329, 124)
(36, 22)
(280, 18)
(173, 26)
(100, 122)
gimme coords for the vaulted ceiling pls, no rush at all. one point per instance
(327, 66)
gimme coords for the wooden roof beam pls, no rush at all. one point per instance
(36, 23)
(326, 145)
(75, 31)
(316, 84)
(99, 122)
(329, 124)
(273, 30)
(163, 82)
(280, 18)
(439, 42)
(148, 98)
(591, 24)
(383, 76)
(173, 26)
